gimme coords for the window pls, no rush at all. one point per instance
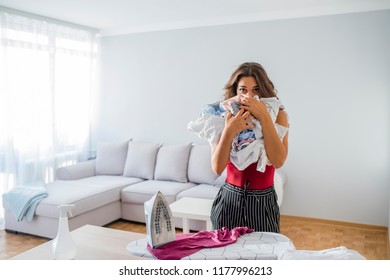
(46, 78)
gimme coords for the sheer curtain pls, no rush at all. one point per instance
(46, 74)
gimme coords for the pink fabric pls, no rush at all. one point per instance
(189, 243)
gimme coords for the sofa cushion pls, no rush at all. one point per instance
(200, 191)
(86, 197)
(172, 163)
(199, 165)
(109, 180)
(141, 192)
(141, 160)
(111, 157)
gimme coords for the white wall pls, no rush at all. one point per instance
(332, 74)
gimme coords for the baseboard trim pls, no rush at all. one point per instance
(333, 222)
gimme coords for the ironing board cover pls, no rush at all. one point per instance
(250, 246)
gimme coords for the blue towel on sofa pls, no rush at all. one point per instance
(22, 200)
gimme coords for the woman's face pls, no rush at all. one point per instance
(247, 87)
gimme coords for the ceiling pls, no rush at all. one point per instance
(115, 17)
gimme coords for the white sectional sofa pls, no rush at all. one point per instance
(123, 176)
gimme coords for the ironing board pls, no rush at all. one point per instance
(250, 246)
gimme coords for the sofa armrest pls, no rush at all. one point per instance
(76, 171)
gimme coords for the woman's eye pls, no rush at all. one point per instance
(256, 90)
(242, 90)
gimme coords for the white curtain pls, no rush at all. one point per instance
(46, 77)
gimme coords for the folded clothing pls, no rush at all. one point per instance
(189, 243)
(338, 253)
(23, 200)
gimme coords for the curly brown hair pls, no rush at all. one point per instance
(250, 69)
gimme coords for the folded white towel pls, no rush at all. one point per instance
(338, 253)
(22, 200)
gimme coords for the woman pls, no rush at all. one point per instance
(248, 197)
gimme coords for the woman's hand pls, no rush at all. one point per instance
(239, 122)
(256, 107)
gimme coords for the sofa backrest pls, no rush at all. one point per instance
(169, 162)
(141, 160)
(199, 165)
(172, 163)
(111, 157)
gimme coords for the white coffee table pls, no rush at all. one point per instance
(93, 243)
(192, 208)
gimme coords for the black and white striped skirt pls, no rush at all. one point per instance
(239, 207)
